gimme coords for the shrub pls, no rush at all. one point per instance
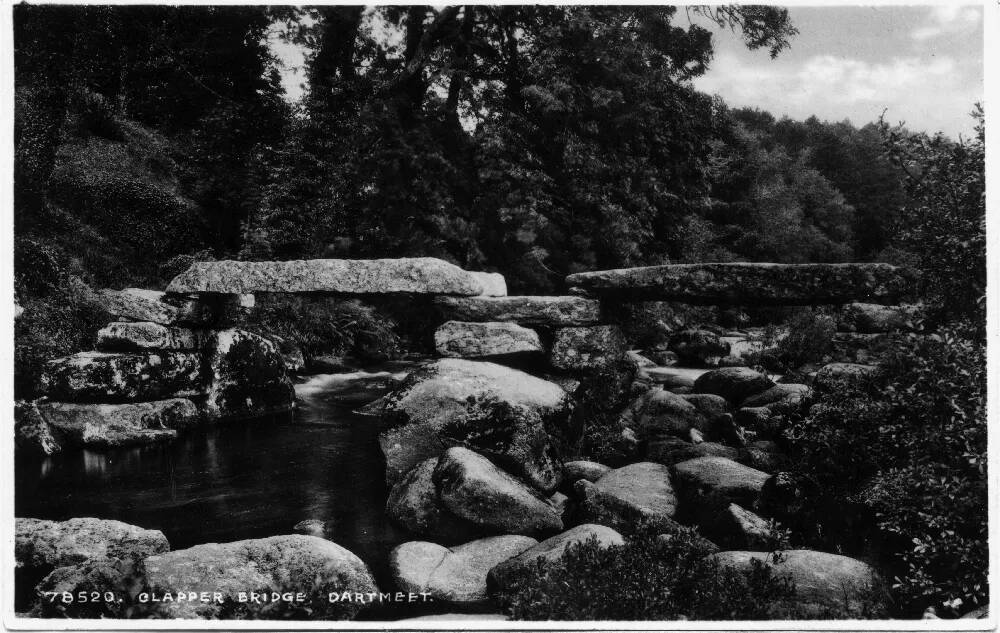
(908, 446)
(647, 578)
(809, 340)
(601, 397)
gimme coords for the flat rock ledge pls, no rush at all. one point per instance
(752, 283)
(548, 311)
(416, 275)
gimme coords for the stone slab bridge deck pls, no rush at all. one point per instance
(713, 283)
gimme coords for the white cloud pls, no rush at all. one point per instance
(947, 19)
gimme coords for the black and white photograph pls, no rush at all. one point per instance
(495, 316)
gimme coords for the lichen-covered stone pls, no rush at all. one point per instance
(463, 339)
(584, 348)
(781, 392)
(457, 574)
(752, 283)
(581, 469)
(673, 450)
(122, 377)
(628, 496)
(140, 336)
(661, 412)
(31, 432)
(137, 304)
(494, 284)
(739, 528)
(527, 310)
(707, 485)
(735, 384)
(826, 585)
(472, 487)
(289, 563)
(114, 425)
(41, 544)
(417, 275)
(245, 376)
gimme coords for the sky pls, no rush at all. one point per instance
(922, 65)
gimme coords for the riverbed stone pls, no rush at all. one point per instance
(582, 469)
(413, 503)
(464, 339)
(140, 336)
(785, 393)
(245, 376)
(505, 574)
(121, 577)
(32, 433)
(410, 275)
(508, 415)
(493, 284)
(736, 284)
(668, 450)
(585, 348)
(288, 563)
(735, 384)
(629, 495)
(707, 485)
(827, 586)
(121, 377)
(139, 304)
(104, 426)
(739, 528)
(525, 310)
(473, 488)
(660, 412)
(698, 347)
(44, 545)
(457, 574)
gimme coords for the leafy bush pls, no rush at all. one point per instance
(647, 578)
(601, 397)
(327, 326)
(908, 445)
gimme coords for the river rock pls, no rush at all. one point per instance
(751, 283)
(507, 414)
(288, 563)
(413, 503)
(457, 574)
(735, 384)
(137, 304)
(506, 574)
(119, 377)
(661, 412)
(629, 495)
(113, 425)
(31, 432)
(412, 275)
(781, 392)
(698, 347)
(581, 469)
(473, 488)
(141, 336)
(708, 485)
(672, 450)
(756, 419)
(547, 311)
(740, 528)
(246, 376)
(829, 375)
(826, 585)
(872, 318)
(45, 545)
(494, 284)
(121, 577)
(709, 404)
(583, 348)
(462, 339)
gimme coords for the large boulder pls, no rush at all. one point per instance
(827, 586)
(549, 551)
(293, 563)
(751, 283)
(659, 412)
(245, 376)
(581, 469)
(414, 504)
(547, 311)
(473, 488)
(493, 284)
(137, 304)
(119, 577)
(463, 339)
(627, 496)
(668, 450)
(735, 384)
(740, 528)
(118, 377)
(707, 485)
(584, 348)
(698, 347)
(113, 425)
(413, 275)
(783, 393)
(513, 417)
(141, 336)
(457, 574)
